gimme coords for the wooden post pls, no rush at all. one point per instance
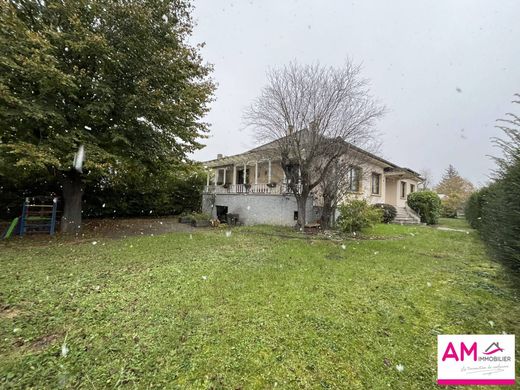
(234, 175)
(269, 173)
(207, 181)
(225, 170)
(245, 173)
(216, 176)
(256, 172)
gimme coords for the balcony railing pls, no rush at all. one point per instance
(245, 189)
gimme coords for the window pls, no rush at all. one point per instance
(220, 176)
(295, 215)
(293, 171)
(403, 189)
(376, 183)
(412, 188)
(353, 175)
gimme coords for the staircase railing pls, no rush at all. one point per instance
(412, 212)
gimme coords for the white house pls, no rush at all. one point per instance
(253, 186)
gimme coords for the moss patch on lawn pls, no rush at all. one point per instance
(249, 310)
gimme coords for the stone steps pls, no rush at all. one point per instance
(404, 217)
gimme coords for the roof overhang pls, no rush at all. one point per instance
(402, 173)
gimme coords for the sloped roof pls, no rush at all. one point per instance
(268, 150)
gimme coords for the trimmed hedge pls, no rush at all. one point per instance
(427, 204)
(495, 209)
(389, 212)
(495, 212)
(474, 205)
(357, 215)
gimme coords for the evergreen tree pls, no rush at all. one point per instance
(115, 81)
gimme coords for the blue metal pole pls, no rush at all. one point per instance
(53, 218)
(24, 216)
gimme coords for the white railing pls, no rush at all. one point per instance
(245, 189)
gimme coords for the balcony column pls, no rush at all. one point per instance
(245, 173)
(207, 181)
(256, 172)
(234, 175)
(225, 170)
(216, 176)
(269, 173)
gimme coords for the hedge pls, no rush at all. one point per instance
(495, 212)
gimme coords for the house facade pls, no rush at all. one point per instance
(253, 187)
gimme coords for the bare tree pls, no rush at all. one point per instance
(427, 180)
(308, 111)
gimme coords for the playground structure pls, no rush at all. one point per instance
(39, 216)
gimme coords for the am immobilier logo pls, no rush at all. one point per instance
(476, 360)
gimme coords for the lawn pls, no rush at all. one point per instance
(261, 308)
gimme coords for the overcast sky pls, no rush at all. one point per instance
(445, 69)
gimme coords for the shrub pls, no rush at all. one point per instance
(201, 216)
(427, 204)
(474, 205)
(357, 215)
(448, 209)
(388, 212)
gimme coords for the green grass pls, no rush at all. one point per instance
(263, 308)
(454, 223)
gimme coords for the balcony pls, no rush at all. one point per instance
(246, 189)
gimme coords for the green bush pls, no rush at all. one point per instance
(357, 215)
(448, 209)
(474, 205)
(201, 216)
(389, 212)
(427, 204)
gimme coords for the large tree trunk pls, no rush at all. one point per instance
(301, 201)
(72, 197)
(326, 213)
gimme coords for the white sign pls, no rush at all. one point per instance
(476, 359)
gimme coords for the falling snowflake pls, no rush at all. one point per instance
(491, 323)
(376, 252)
(191, 237)
(399, 368)
(94, 242)
(64, 349)
(79, 156)
(204, 277)
(343, 246)
(429, 284)
(228, 233)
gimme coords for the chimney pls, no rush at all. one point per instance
(219, 156)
